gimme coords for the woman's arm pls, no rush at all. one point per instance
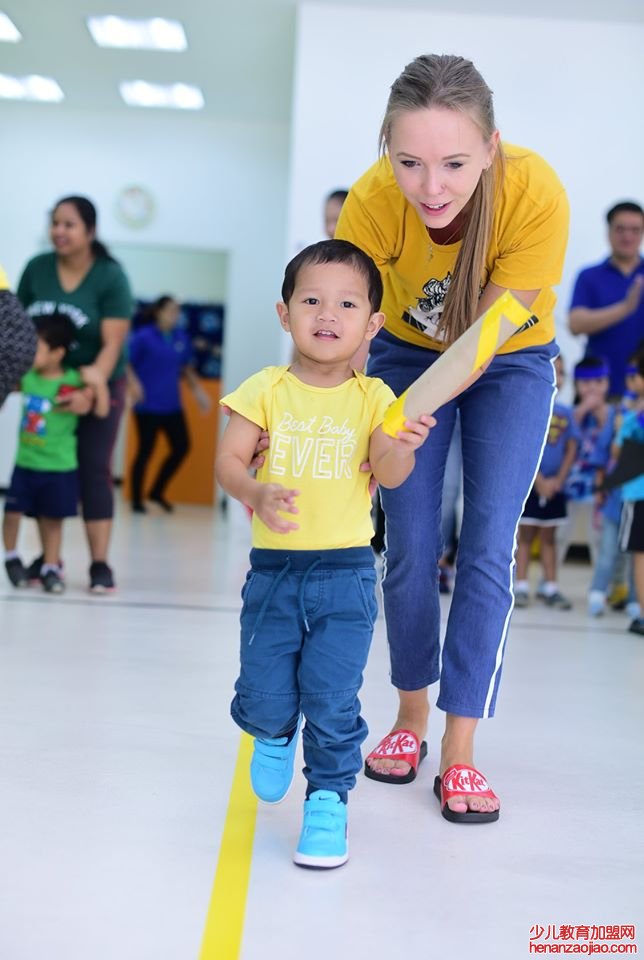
(200, 395)
(490, 295)
(589, 321)
(114, 331)
(96, 390)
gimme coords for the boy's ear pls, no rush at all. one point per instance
(282, 313)
(376, 320)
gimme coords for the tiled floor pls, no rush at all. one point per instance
(117, 755)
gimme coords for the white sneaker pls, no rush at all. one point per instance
(596, 603)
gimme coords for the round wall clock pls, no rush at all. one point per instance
(135, 206)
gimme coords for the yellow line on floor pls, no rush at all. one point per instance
(225, 921)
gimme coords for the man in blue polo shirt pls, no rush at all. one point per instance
(608, 302)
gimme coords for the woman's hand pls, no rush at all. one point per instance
(262, 444)
(92, 375)
(373, 483)
(135, 391)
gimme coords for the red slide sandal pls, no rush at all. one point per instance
(462, 780)
(399, 745)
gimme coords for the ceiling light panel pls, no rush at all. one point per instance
(8, 30)
(154, 34)
(30, 88)
(179, 96)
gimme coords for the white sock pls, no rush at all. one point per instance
(549, 588)
(11, 555)
(46, 567)
(522, 586)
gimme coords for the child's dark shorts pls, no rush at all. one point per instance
(544, 513)
(43, 493)
(631, 534)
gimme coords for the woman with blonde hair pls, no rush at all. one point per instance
(453, 218)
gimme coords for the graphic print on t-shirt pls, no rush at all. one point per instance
(558, 425)
(33, 416)
(426, 315)
(46, 307)
(319, 447)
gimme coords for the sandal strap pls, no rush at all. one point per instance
(399, 745)
(461, 779)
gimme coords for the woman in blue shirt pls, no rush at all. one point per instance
(160, 355)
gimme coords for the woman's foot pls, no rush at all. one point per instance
(413, 715)
(138, 507)
(458, 747)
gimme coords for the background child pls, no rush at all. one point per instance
(632, 533)
(309, 601)
(545, 508)
(612, 565)
(594, 419)
(44, 483)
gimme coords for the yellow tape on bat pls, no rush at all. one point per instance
(456, 365)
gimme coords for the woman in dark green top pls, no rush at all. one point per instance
(80, 279)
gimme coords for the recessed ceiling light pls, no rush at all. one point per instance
(154, 34)
(30, 88)
(181, 96)
(8, 30)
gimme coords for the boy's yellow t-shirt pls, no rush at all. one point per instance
(319, 436)
(526, 249)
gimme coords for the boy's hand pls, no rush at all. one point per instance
(271, 499)
(414, 435)
(547, 487)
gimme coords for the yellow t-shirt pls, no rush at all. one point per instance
(526, 250)
(319, 436)
(4, 281)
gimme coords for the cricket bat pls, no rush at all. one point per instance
(453, 368)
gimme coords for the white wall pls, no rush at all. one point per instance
(182, 272)
(569, 90)
(217, 186)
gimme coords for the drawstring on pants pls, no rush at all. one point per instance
(300, 595)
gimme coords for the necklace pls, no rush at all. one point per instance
(430, 250)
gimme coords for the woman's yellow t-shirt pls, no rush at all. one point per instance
(526, 249)
(319, 436)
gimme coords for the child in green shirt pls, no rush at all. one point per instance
(44, 483)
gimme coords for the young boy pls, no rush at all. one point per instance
(44, 483)
(632, 532)
(545, 507)
(309, 602)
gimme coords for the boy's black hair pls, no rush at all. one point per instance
(638, 360)
(56, 329)
(626, 206)
(340, 195)
(589, 364)
(335, 251)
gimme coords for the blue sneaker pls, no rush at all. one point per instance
(271, 767)
(323, 842)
